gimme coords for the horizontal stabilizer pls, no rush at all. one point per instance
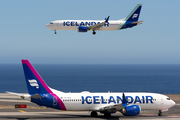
(138, 22)
(23, 96)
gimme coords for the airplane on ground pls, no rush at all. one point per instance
(129, 104)
(93, 25)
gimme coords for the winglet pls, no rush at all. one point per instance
(107, 19)
(124, 101)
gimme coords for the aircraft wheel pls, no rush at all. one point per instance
(93, 114)
(160, 113)
(107, 115)
(55, 32)
(94, 32)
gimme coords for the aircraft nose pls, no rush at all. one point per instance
(47, 25)
(173, 103)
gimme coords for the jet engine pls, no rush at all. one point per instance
(82, 29)
(131, 110)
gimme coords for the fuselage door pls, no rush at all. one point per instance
(54, 101)
(162, 101)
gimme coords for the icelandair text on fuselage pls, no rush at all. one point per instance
(102, 100)
(74, 23)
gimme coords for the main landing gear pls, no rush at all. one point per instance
(107, 115)
(54, 31)
(94, 32)
(160, 113)
(93, 114)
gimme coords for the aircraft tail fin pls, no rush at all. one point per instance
(134, 15)
(132, 19)
(35, 83)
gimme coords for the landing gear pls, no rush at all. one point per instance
(93, 114)
(160, 113)
(54, 31)
(107, 115)
(94, 32)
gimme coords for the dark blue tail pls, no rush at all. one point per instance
(35, 83)
(134, 15)
(132, 19)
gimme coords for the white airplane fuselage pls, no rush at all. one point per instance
(94, 101)
(95, 25)
(74, 24)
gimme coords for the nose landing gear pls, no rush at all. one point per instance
(160, 113)
(54, 31)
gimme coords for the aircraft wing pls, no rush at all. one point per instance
(98, 26)
(112, 108)
(116, 107)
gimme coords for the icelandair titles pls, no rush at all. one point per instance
(101, 100)
(73, 23)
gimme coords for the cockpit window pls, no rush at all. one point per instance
(168, 98)
(50, 23)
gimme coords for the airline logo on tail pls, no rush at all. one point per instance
(134, 16)
(33, 83)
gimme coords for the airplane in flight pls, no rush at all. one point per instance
(94, 25)
(129, 103)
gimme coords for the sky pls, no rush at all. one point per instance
(23, 34)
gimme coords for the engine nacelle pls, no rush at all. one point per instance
(131, 110)
(82, 29)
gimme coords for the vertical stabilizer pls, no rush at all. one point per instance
(35, 83)
(132, 18)
(134, 15)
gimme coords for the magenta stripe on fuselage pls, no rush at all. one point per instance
(59, 101)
